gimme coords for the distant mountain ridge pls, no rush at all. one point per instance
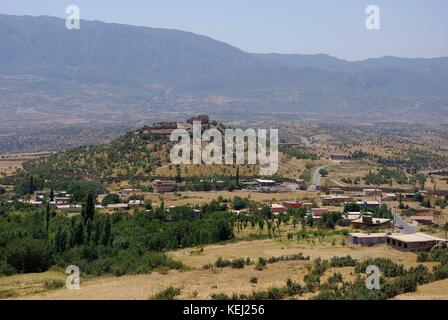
(132, 70)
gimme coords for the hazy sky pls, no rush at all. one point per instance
(409, 28)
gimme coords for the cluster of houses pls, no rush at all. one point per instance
(272, 186)
(358, 220)
(60, 200)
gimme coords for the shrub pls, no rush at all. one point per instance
(28, 255)
(253, 280)
(167, 294)
(53, 284)
(387, 266)
(339, 262)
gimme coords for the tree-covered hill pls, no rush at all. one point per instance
(135, 153)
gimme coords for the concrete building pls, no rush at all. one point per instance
(117, 207)
(163, 186)
(136, 203)
(334, 200)
(265, 183)
(407, 196)
(318, 212)
(389, 197)
(277, 208)
(366, 239)
(62, 200)
(336, 191)
(292, 204)
(369, 222)
(425, 220)
(339, 156)
(203, 118)
(371, 192)
(369, 204)
(413, 242)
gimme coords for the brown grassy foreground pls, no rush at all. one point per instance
(199, 283)
(432, 291)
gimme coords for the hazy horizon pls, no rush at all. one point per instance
(287, 27)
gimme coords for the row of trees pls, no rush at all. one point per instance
(32, 240)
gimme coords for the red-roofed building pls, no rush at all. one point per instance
(292, 204)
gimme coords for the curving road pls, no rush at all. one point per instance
(316, 179)
(407, 228)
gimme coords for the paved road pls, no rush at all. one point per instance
(316, 179)
(407, 228)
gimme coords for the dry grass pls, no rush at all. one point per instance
(9, 167)
(433, 291)
(27, 284)
(198, 198)
(199, 283)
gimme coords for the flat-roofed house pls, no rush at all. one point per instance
(389, 197)
(369, 204)
(428, 210)
(318, 212)
(371, 192)
(335, 200)
(163, 186)
(336, 191)
(277, 208)
(366, 239)
(413, 242)
(307, 205)
(265, 183)
(407, 196)
(136, 203)
(292, 204)
(62, 200)
(370, 222)
(426, 220)
(117, 207)
(339, 156)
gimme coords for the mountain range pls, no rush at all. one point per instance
(114, 73)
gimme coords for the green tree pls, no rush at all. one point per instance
(47, 217)
(111, 198)
(89, 208)
(105, 235)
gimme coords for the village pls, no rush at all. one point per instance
(397, 232)
(326, 203)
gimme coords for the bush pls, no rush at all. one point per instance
(387, 266)
(167, 294)
(28, 255)
(110, 199)
(339, 262)
(53, 284)
(253, 280)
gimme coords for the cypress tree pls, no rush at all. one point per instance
(47, 216)
(89, 209)
(105, 236)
